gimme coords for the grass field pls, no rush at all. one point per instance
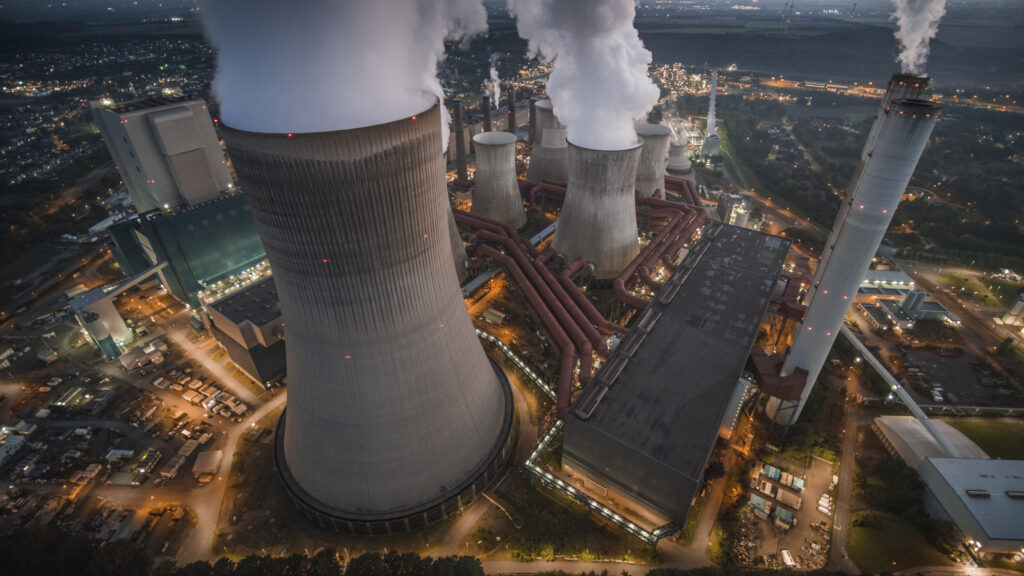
(890, 545)
(999, 438)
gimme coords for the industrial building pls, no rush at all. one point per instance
(907, 438)
(248, 324)
(598, 220)
(983, 498)
(649, 421)
(1014, 315)
(396, 418)
(165, 149)
(733, 209)
(894, 146)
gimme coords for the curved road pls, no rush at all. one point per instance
(206, 502)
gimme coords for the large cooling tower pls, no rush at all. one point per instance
(598, 220)
(650, 172)
(678, 161)
(890, 159)
(495, 190)
(550, 157)
(395, 416)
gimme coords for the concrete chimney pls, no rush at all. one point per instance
(598, 220)
(533, 121)
(495, 191)
(901, 134)
(550, 157)
(460, 141)
(395, 416)
(650, 172)
(513, 126)
(485, 105)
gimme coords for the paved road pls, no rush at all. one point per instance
(204, 356)
(207, 502)
(844, 500)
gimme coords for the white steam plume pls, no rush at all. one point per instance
(917, 22)
(495, 85)
(323, 65)
(599, 84)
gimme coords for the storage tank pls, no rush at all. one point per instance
(395, 416)
(598, 220)
(549, 159)
(495, 190)
(650, 172)
(903, 131)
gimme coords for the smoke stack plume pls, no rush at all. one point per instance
(303, 80)
(599, 84)
(917, 23)
(495, 83)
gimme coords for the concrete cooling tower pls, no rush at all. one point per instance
(598, 220)
(678, 162)
(650, 172)
(495, 190)
(395, 417)
(550, 157)
(889, 161)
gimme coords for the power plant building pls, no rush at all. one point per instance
(598, 220)
(166, 150)
(648, 423)
(396, 418)
(248, 324)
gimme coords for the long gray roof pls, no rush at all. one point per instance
(670, 396)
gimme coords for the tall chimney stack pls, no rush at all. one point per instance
(533, 121)
(460, 142)
(513, 127)
(888, 162)
(395, 416)
(485, 103)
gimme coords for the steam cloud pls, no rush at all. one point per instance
(599, 84)
(495, 85)
(322, 65)
(917, 23)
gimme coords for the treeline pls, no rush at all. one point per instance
(52, 553)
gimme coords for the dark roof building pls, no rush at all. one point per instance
(648, 423)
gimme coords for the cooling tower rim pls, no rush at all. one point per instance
(922, 78)
(347, 131)
(545, 104)
(635, 146)
(498, 457)
(649, 129)
(494, 138)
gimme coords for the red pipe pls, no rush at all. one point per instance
(564, 317)
(564, 392)
(569, 304)
(584, 304)
(495, 227)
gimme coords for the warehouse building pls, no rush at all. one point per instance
(248, 324)
(648, 423)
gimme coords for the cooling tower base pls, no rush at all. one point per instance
(422, 516)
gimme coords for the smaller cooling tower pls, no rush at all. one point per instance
(598, 222)
(678, 162)
(650, 172)
(496, 192)
(550, 157)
